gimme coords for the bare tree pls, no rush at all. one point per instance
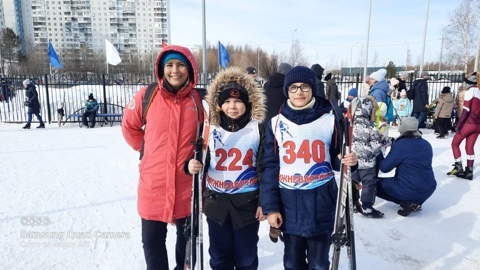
(297, 57)
(460, 36)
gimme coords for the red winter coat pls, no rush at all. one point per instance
(164, 189)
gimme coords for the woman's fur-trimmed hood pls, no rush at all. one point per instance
(237, 75)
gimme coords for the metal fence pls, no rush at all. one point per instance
(116, 91)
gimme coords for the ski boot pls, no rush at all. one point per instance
(457, 168)
(371, 212)
(467, 174)
(408, 208)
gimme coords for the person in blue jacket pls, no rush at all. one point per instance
(299, 192)
(379, 91)
(414, 181)
(91, 108)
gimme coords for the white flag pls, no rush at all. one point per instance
(113, 58)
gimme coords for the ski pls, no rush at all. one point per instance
(194, 223)
(343, 234)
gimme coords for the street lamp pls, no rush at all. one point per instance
(351, 58)
(441, 51)
(291, 55)
(407, 59)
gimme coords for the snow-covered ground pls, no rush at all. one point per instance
(69, 202)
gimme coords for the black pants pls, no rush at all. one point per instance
(232, 248)
(443, 125)
(154, 235)
(307, 252)
(92, 118)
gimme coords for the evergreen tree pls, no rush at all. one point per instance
(391, 70)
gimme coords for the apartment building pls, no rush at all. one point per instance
(133, 26)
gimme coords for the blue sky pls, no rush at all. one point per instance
(330, 32)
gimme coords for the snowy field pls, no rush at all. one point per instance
(69, 202)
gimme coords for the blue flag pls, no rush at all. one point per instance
(223, 57)
(52, 54)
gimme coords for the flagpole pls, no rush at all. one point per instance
(106, 56)
(49, 63)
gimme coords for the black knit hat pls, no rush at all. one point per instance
(300, 74)
(233, 90)
(445, 90)
(90, 96)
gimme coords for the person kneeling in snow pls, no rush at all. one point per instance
(414, 181)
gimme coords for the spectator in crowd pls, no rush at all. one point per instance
(331, 91)
(253, 73)
(304, 122)
(367, 142)
(414, 181)
(90, 111)
(171, 124)
(318, 69)
(352, 93)
(5, 90)
(380, 90)
(403, 106)
(379, 87)
(443, 112)
(237, 111)
(366, 85)
(402, 81)
(420, 101)
(33, 103)
(468, 129)
(274, 91)
(393, 94)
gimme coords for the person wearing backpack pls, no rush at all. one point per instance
(164, 134)
(420, 100)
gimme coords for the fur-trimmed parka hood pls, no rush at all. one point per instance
(236, 75)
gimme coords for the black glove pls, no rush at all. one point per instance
(275, 234)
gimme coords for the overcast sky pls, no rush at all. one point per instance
(330, 32)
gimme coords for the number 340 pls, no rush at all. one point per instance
(307, 150)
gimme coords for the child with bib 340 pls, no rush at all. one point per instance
(299, 192)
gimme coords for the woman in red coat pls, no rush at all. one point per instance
(164, 189)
